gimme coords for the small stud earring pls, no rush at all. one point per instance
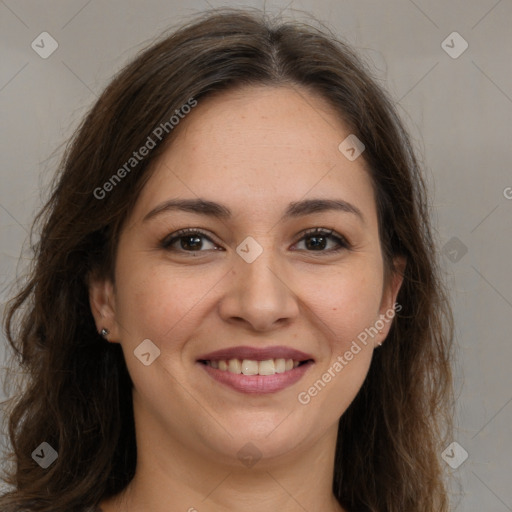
(104, 332)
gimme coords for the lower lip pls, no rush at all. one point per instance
(257, 383)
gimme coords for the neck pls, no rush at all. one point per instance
(172, 476)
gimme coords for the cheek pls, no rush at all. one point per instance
(348, 305)
(159, 301)
(346, 301)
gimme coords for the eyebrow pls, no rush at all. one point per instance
(222, 212)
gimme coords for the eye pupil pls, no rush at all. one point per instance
(192, 241)
(316, 244)
(196, 244)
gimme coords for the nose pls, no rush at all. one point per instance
(259, 294)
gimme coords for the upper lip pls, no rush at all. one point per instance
(256, 354)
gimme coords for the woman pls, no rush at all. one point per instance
(234, 302)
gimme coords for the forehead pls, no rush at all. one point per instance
(257, 144)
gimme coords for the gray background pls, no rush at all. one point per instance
(458, 110)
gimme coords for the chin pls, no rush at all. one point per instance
(263, 435)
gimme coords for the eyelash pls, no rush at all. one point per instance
(169, 240)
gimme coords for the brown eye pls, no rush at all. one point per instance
(317, 240)
(194, 240)
(190, 240)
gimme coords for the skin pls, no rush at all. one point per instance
(254, 150)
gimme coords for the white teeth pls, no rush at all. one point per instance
(252, 367)
(280, 365)
(234, 366)
(267, 367)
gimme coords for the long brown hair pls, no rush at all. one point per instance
(76, 395)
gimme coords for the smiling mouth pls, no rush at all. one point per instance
(254, 367)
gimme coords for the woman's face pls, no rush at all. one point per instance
(252, 286)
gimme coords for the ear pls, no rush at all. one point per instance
(387, 307)
(102, 302)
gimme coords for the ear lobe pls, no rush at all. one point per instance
(102, 302)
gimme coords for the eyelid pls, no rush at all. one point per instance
(327, 232)
(176, 235)
(342, 241)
